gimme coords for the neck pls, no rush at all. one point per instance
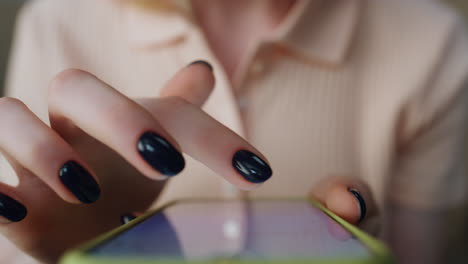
(231, 27)
(263, 14)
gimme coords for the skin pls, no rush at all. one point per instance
(102, 136)
(247, 22)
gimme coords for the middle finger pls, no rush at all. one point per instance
(117, 121)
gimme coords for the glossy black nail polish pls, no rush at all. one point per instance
(160, 154)
(362, 203)
(126, 218)
(251, 167)
(80, 182)
(12, 209)
(207, 64)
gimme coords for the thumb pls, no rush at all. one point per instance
(349, 198)
(194, 83)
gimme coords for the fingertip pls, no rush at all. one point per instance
(194, 83)
(161, 155)
(344, 203)
(361, 202)
(251, 167)
(201, 63)
(203, 81)
(11, 210)
(80, 182)
(127, 218)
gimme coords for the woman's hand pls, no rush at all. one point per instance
(79, 175)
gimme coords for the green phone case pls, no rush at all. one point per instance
(379, 252)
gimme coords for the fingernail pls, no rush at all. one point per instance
(207, 64)
(12, 209)
(160, 154)
(362, 203)
(80, 182)
(251, 167)
(126, 218)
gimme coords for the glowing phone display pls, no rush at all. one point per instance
(259, 230)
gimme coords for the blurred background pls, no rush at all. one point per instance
(9, 9)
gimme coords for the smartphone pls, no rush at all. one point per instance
(234, 231)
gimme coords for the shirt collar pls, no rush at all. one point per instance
(316, 30)
(320, 30)
(144, 29)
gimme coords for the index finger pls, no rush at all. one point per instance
(193, 83)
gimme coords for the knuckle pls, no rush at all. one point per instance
(116, 112)
(37, 149)
(46, 150)
(176, 102)
(206, 136)
(66, 80)
(8, 171)
(8, 104)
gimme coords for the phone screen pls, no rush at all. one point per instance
(256, 230)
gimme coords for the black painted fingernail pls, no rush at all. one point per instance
(362, 203)
(12, 209)
(207, 64)
(160, 154)
(251, 167)
(80, 182)
(126, 218)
